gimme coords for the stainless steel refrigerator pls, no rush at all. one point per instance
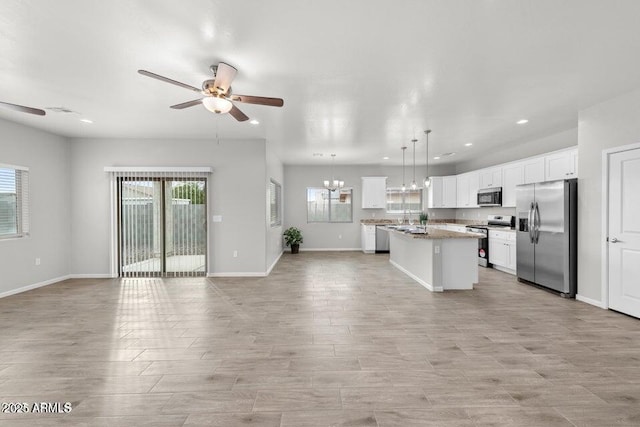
(547, 230)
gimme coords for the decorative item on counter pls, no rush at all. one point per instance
(424, 217)
(293, 238)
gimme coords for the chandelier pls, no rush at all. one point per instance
(333, 184)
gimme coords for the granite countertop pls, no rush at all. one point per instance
(437, 234)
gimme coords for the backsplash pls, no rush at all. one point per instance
(481, 214)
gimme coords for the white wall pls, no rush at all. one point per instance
(47, 157)
(517, 150)
(610, 124)
(236, 191)
(327, 236)
(274, 242)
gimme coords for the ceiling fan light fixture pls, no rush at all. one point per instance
(217, 105)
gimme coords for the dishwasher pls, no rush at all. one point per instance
(382, 239)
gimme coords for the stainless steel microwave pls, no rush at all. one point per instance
(490, 196)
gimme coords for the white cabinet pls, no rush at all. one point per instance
(502, 250)
(562, 165)
(491, 177)
(374, 192)
(533, 170)
(449, 184)
(512, 175)
(368, 238)
(467, 190)
(435, 193)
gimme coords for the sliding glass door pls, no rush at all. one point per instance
(162, 226)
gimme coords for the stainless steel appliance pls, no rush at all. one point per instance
(483, 244)
(547, 240)
(493, 221)
(490, 196)
(382, 239)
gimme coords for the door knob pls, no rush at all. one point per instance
(614, 240)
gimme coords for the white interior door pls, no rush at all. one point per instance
(624, 232)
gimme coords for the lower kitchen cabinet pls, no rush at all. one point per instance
(368, 238)
(502, 250)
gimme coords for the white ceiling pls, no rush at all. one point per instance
(360, 78)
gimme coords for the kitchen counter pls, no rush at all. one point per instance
(439, 261)
(436, 233)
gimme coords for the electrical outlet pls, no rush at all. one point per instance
(339, 236)
(235, 254)
(37, 261)
(437, 249)
(373, 214)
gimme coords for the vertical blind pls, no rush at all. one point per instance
(14, 201)
(161, 223)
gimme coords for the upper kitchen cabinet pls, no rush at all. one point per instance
(491, 177)
(434, 194)
(562, 165)
(374, 192)
(449, 189)
(467, 190)
(442, 192)
(512, 175)
(533, 170)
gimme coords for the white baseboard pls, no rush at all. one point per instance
(416, 278)
(238, 274)
(34, 286)
(504, 269)
(591, 301)
(274, 263)
(329, 249)
(92, 276)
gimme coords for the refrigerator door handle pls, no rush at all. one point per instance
(530, 222)
(536, 221)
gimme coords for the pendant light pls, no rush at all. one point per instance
(404, 187)
(334, 184)
(414, 185)
(427, 180)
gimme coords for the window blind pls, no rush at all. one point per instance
(162, 227)
(14, 201)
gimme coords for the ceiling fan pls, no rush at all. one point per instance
(218, 97)
(23, 109)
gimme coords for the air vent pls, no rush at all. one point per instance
(447, 154)
(317, 154)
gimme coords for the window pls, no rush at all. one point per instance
(275, 201)
(401, 202)
(329, 206)
(14, 201)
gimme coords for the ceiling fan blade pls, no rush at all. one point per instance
(23, 109)
(168, 80)
(224, 76)
(187, 104)
(238, 115)
(261, 100)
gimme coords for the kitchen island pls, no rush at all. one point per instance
(439, 260)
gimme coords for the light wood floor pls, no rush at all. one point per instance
(327, 339)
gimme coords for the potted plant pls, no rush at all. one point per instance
(293, 238)
(424, 217)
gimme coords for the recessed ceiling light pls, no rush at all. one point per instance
(86, 121)
(523, 121)
(254, 122)
(436, 158)
(468, 144)
(385, 158)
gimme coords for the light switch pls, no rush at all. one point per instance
(216, 218)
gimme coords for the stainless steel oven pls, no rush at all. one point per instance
(490, 196)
